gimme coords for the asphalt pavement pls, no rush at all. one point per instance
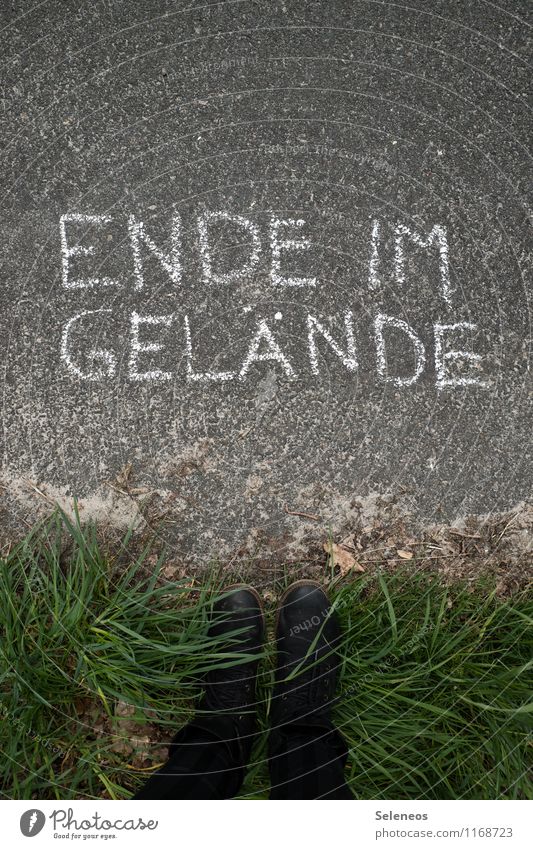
(265, 259)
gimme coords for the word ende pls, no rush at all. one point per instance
(285, 237)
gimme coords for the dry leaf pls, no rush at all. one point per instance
(124, 709)
(405, 555)
(170, 573)
(123, 478)
(348, 542)
(342, 558)
(128, 736)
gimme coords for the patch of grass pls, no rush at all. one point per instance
(99, 664)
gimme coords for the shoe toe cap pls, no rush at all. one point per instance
(303, 606)
(239, 600)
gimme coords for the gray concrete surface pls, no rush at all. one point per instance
(372, 124)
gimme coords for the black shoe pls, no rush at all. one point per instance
(227, 710)
(307, 634)
(239, 621)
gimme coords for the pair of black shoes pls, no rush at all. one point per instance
(307, 637)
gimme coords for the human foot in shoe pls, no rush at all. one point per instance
(307, 634)
(238, 620)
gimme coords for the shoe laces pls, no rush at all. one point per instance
(308, 684)
(231, 687)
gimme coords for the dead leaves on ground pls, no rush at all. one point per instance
(343, 557)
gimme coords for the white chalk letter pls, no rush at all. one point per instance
(205, 249)
(80, 250)
(420, 355)
(438, 237)
(373, 266)
(138, 347)
(442, 357)
(348, 357)
(205, 376)
(274, 351)
(278, 245)
(170, 262)
(106, 357)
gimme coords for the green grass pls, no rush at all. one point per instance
(434, 702)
